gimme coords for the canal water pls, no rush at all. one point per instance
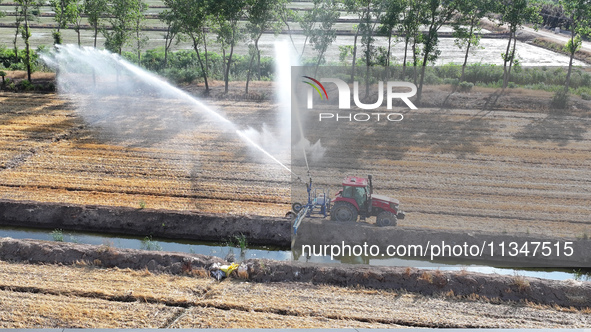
(231, 248)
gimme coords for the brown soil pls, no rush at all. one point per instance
(88, 294)
(147, 222)
(506, 160)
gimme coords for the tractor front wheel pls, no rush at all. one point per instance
(296, 207)
(386, 218)
(344, 212)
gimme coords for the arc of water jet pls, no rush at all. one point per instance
(143, 74)
(244, 137)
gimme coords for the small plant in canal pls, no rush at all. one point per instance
(57, 235)
(149, 244)
(241, 241)
(142, 204)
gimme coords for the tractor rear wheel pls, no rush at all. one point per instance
(386, 218)
(344, 212)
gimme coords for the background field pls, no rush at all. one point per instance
(503, 169)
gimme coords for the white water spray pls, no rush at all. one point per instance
(74, 64)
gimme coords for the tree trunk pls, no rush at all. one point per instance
(354, 55)
(18, 25)
(27, 46)
(228, 64)
(506, 59)
(139, 50)
(248, 72)
(511, 60)
(206, 59)
(318, 62)
(467, 48)
(166, 46)
(389, 48)
(289, 32)
(406, 41)
(255, 53)
(414, 59)
(258, 53)
(423, 67)
(95, 34)
(570, 62)
(203, 68)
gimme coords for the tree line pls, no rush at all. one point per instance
(413, 23)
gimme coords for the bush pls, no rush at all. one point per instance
(560, 100)
(585, 96)
(452, 81)
(25, 85)
(432, 79)
(466, 86)
(511, 85)
(485, 74)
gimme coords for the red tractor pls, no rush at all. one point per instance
(357, 199)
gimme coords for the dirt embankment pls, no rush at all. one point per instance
(277, 232)
(144, 222)
(428, 282)
(489, 247)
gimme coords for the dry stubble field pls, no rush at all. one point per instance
(48, 152)
(503, 169)
(34, 296)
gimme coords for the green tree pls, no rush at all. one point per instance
(123, 18)
(226, 16)
(28, 10)
(173, 28)
(357, 7)
(514, 13)
(94, 11)
(374, 10)
(287, 15)
(139, 39)
(263, 15)
(437, 13)
(390, 19)
(411, 20)
(466, 29)
(66, 12)
(579, 16)
(326, 13)
(307, 22)
(192, 17)
(77, 19)
(18, 21)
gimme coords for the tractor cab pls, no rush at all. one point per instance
(358, 189)
(357, 200)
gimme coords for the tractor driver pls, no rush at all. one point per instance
(360, 196)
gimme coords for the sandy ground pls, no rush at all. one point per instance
(85, 296)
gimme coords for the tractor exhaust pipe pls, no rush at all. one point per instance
(370, 184)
